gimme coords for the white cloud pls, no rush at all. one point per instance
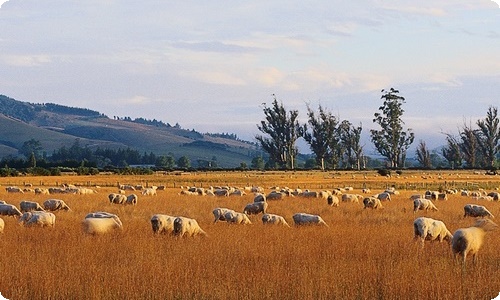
(2, 2)
(497, 2)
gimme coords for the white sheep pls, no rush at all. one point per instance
(308, 219)
(55, 204)
(469, 240)
(259, 197)
(333, 200)
(161, 223)
(187, 227)
(255, 208)
(149, 192)
(26, 206)
(101, 223)
(473, 210)
(2, 225)
(423, 204)
(428, 229)
(237, 218)
(219, 213)
(274, 219)
(351, 198)
(9, 210)
(131, 199)
(372, 202)
(38, 218)
(384, 196)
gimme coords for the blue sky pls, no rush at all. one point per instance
(209, 65)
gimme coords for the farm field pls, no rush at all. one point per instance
(363, 254)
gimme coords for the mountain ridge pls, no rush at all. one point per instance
(57, 125)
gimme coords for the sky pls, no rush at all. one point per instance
(210, 65)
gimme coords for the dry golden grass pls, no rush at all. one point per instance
(364, 254)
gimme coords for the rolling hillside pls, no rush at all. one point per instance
(56, 126)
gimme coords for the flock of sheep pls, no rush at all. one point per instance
(464, 241)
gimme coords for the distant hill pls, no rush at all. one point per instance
(57, 125)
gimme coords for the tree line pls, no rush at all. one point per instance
(336, 144)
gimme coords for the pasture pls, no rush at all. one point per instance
(363, 254)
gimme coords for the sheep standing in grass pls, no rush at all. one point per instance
(274, 219)
(220, 212)
(38, 218)
(26, 206)
(255, 208)
(131, 199)
(236, 218)
(333, 200)
(308, 219)
(101, 222)
(162, 224)
(9, 210)
(372, 202)
(187, 227)
(423, 204)
(55, 204)
(2, 225)
(469, 240)
(428, 229)
(473, 210)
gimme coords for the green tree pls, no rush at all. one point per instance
(258, 163)
(165, 161)
(451, 152)
(392, 141)
(320, 134)
(423, 155)
(184, 162)
(488, 136)
(32, 146)
(469, 146)
(282, 130)
(350, 137)
(32, 160)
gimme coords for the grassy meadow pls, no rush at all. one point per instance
(363, 254)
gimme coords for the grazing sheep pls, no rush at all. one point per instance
(38, 218)
(333, 200)
(423, 204)
(473, 210)
(442, 196)
(259, 198)
(469, 240)
(308, 219)
(187, 227)
(432, 195)
(372, 202)
(26, 206)
(494, 195)
(274, 219)
(55, 204)
(162, 224)
(115, 198)
(101, 223)
(131, 199)
(41, 191)
(221, 193)
(237, 218)
(9, 210)
(351, 198)
(309, 194)
(219, 213)
(255, 208)
(275, 195)
(384, 196)
(428, 229)
(149, 191)
(14, 189)
(2, 225)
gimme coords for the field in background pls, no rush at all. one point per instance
(364, 254)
